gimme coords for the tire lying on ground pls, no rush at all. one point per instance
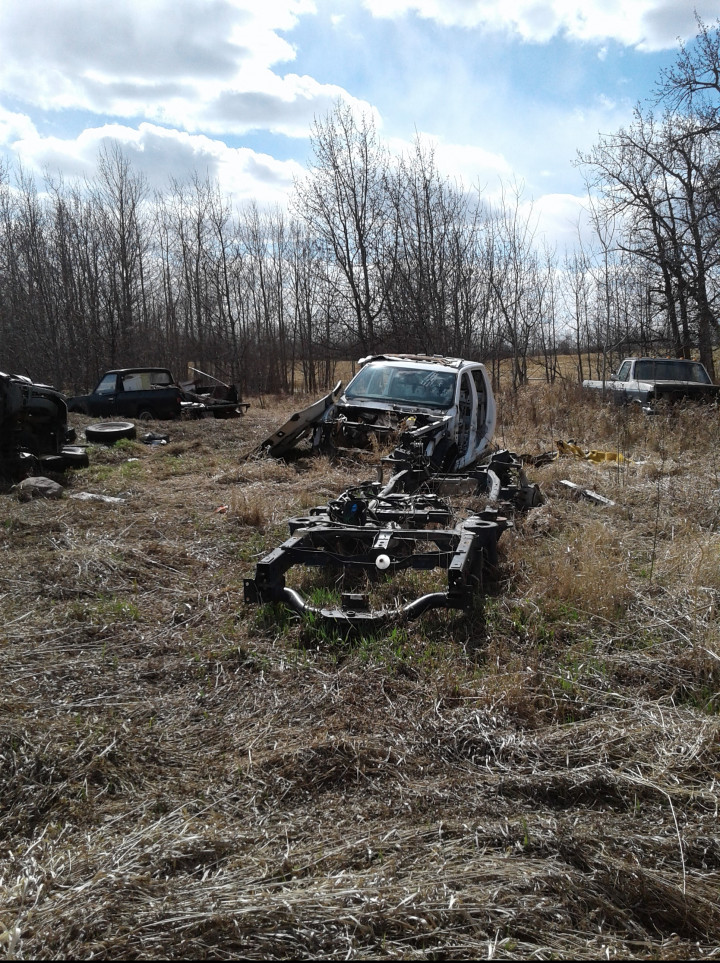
(54, 463)
(108, 432)
(71, 456)
(75, 456)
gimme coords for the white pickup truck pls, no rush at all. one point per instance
(654, 379)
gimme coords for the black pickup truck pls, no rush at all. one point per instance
(146, 393)
(142, 393)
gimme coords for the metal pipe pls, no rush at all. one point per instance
(411, 610)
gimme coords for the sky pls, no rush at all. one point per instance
(506, 91)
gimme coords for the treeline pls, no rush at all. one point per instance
(375, 253)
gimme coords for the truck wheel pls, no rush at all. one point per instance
(146, 415)
(108, 432)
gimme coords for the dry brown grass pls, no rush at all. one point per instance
(186, 776)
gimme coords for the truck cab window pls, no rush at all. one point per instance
(107, 385)
(624, 372)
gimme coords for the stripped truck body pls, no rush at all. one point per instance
(443, 407)
(444, 506)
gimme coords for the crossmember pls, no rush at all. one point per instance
(406, 523)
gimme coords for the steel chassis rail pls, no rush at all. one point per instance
(463, 552)
(389, 527)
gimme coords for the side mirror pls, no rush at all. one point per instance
(613, 376)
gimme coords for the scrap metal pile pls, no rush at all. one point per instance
(376, 529)
(34, 432)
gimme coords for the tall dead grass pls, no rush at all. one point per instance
(537, 777)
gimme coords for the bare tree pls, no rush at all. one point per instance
(692, 84)
(118, 193)
(660, 183)
(518, 279)
(343, 202)
(433, 277)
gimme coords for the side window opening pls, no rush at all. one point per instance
(465, 412)
(159, 379)
(107, 385)
(480, 389)
(137, 381)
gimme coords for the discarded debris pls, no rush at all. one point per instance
(94, 497)
(155, 438)
(537, 461)
(39, 487)
(586, 493)
(220, 399)
(594, 455)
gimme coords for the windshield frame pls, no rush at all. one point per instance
(407, 385)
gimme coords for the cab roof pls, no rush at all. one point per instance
(428, 359)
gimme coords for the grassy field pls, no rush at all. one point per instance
(538, 777)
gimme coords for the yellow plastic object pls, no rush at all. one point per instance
(594, 455)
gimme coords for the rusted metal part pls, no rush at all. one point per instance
(464, 552)
(383, 528)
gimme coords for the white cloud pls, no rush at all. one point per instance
(474, 165)
(470, 164)
(200, 65)
(159, 154)
(14, 127)
(561, 219)
(284, 105)
(646, 24)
